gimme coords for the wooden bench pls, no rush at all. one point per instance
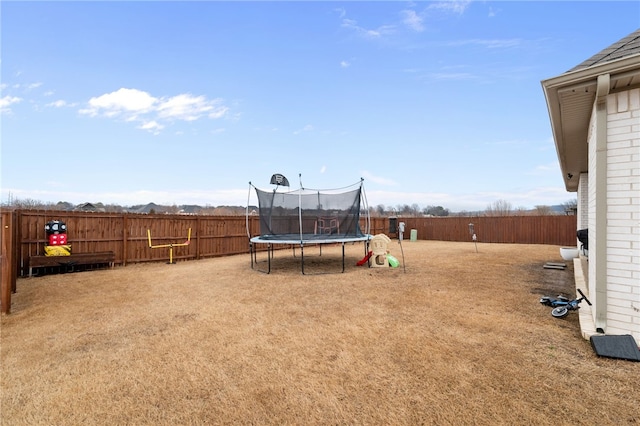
(105, 257)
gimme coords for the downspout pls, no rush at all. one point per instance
(600, 305)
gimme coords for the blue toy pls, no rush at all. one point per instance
(562, 305)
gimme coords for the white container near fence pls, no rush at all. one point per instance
(414, 235)
(569, 253)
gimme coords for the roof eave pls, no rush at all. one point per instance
(582, 79)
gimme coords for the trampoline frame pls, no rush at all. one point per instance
(271, 243)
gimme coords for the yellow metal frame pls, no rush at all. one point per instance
(170, 246)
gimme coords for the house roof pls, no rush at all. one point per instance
(571, 97)
(627, 46)
(147, 208)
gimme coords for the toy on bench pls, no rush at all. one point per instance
(57, 251)
(56, 244)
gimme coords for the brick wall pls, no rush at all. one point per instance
(623, 213)
(583, 201)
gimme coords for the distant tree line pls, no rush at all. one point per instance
(405, 210)
(504, 208)
(151, 208)
(497, 208)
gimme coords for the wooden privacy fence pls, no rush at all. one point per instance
(126, 235)
(24, 235)
(552, 230)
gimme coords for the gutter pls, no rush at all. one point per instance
(600, 303)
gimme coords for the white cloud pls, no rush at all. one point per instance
(26, 86)
(323, 169)
(9, 100)
(307, 128)
(412, 20)
(121, 101)
(452, 76)
(6, 102)
(377, 179)
(57, 104)
(367, 33)
(189, 108)
(488, 43)
(33, 86)
(546, 169)
(345, 64)
(139, 106)
(218, 111)
(152, 126)
(453, 6)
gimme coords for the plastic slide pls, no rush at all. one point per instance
(365, 259)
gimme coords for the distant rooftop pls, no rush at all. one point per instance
(630, 45)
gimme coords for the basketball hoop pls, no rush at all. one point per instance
(280, 180)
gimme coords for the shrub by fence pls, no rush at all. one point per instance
(23, 235)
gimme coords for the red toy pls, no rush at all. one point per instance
(365, 259)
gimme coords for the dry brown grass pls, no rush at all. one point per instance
(459, 338)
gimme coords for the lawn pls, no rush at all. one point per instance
(453, 337)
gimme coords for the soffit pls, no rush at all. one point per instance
(571, 97)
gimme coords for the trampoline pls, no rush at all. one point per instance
(305, 217)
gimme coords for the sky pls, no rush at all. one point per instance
(434, 103)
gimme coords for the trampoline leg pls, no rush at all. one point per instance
(302, 257)
(254, 257)
(366, 252)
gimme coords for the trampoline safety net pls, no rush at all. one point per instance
(309, 214)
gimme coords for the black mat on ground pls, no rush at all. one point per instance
(621, 347)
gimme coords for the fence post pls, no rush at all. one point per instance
(125, 239)
(8, 261)
(198, 232)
